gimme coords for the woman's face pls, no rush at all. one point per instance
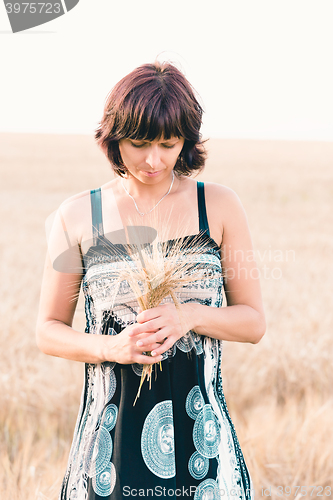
(150, 160)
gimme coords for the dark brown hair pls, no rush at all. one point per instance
(154, 101)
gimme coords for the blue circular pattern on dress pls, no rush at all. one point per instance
(207, 490)
(137, 368)
(194, 402)
(111, 384)
(169, 353)
(206, 433)
(104, 483)
(110, 417)
(99, 452)
(157, 441)
(189, 341)
(185, 343)
(107, 366)
(197, 342)
(198, 465)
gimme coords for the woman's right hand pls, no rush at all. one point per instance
(122, 347)
(56, 337)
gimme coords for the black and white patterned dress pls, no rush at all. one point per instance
(178, 441)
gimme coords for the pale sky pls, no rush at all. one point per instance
(262, 68)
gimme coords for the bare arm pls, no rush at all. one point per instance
(243, 320)
(55, 335)
(59, 294)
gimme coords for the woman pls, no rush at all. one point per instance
(178, 439)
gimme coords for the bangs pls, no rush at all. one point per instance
(152, 118)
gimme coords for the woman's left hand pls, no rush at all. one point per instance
(171, 323)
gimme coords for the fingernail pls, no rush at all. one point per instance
(139, 344)
(153, 353)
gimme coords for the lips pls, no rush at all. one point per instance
(151, 174)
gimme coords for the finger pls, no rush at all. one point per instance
(143, 359)
(169, 342)
(149, 314)
(139, 329)
(149, 347)
(152, 325)
(159, 337)
(146, 328)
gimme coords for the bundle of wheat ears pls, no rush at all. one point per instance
(157, 270)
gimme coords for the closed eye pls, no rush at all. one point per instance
(140, 145)
(143, 144)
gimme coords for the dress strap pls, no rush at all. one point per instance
(203, 221)
(96, 214)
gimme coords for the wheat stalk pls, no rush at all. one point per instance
(159, 270)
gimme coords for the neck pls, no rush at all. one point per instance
(153, 202)
(150, 191)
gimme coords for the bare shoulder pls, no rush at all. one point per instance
(222, 197)
(220, 193)
(224, 209)
(70, 203)
(75, 214)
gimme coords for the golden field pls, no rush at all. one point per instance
(279, 392)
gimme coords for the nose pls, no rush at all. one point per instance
(153, 158)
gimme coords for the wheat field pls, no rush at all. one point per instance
(279, 392)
